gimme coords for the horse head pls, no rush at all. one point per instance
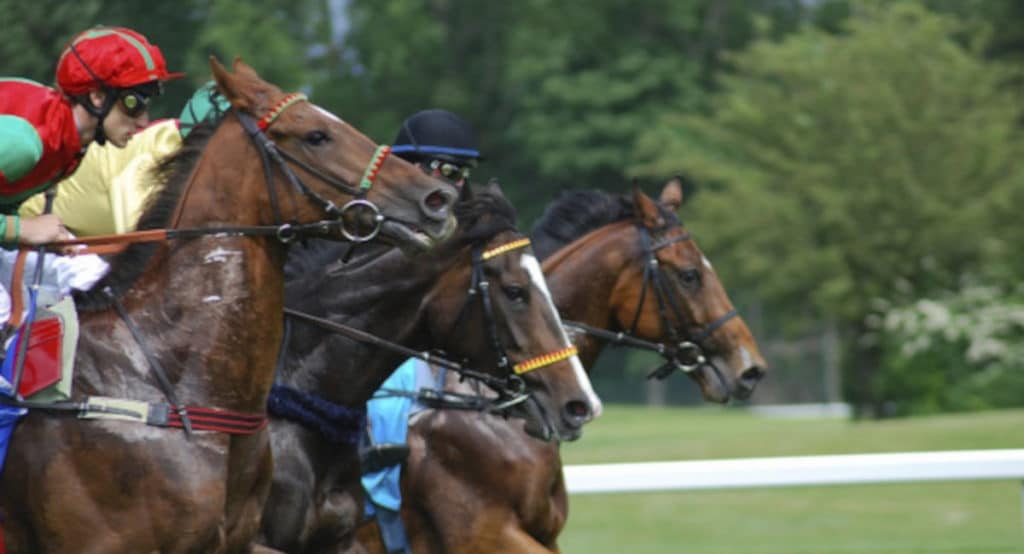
(316, 164)
(510, 319)
(672, 294)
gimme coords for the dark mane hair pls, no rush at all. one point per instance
(173, 172)
(482, 214)
(576, 213)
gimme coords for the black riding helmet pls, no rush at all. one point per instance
(437, 135)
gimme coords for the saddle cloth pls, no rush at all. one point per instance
(387, 416)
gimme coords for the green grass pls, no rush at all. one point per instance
(946, 517)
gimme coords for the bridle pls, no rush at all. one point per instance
(682, 350)
(479, 287)
(271, 153)
(174, 413)
(511, 388)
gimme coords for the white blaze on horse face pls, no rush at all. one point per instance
(748, 360)
(326, 113)
(532, 267)
(707, 262)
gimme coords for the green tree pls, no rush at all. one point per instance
(35, 34)
(837, 168)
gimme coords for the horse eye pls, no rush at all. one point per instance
(690, 277)
(515, 294)
(316, 138)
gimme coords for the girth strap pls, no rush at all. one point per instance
(166, 415)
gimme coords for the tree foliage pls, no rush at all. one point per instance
(846, 158)
(838, 168)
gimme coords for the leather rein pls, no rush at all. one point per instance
(511, 389)
(173, 413)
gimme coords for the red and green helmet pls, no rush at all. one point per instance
(110, 57)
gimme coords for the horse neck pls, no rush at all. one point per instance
(381, 297)
(210, 308)
(582, 277)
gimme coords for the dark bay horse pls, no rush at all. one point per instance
(198, 319)
(479, 484)
(428, 302)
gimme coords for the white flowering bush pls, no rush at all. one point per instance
(963, 350)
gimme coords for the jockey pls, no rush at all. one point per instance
(442, 144)
(439, 142)
(106, 77)
(111, 187)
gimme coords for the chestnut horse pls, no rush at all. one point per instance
(199, 319)
(479, 484)
(316, 499)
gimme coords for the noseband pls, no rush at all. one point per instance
(684, 350)
(269, 151)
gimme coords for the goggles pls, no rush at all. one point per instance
(135, 101)
(449, 170)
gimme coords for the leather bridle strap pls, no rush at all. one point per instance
(508, 386)
(654, 279)
(158, 369)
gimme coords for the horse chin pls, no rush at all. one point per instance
(712, 385)
(412, 239)
(536, 424)
(409, 239)
(538, 429)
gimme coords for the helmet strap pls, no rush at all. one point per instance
(100, 113)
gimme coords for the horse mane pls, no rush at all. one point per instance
(482, 214)
(578, 212)
(173, 172)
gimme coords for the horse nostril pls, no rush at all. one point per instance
(577, 410)
(752, 375)
(436, 200)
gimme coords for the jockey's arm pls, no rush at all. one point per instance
(22, 149)
(111, 187)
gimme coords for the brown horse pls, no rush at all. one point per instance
(199, 319)
(479, 484)
(316, 499)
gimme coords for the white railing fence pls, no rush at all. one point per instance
(955, 465)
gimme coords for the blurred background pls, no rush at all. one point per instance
(852, 168)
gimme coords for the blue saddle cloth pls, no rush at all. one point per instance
(9, 415)
(388, 416)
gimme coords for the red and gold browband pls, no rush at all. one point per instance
(507, 247)
(374, 166)
(281, 106)
(544, 360)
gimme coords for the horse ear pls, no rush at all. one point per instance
(494, 188)
(672, 194)
(645, 211)
(244, 68)
(228, 84)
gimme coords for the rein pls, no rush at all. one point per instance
(684, 352)
(174, 414)
(511, 387)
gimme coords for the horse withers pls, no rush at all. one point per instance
(480, 484)
(184, 334)
(434, 301)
